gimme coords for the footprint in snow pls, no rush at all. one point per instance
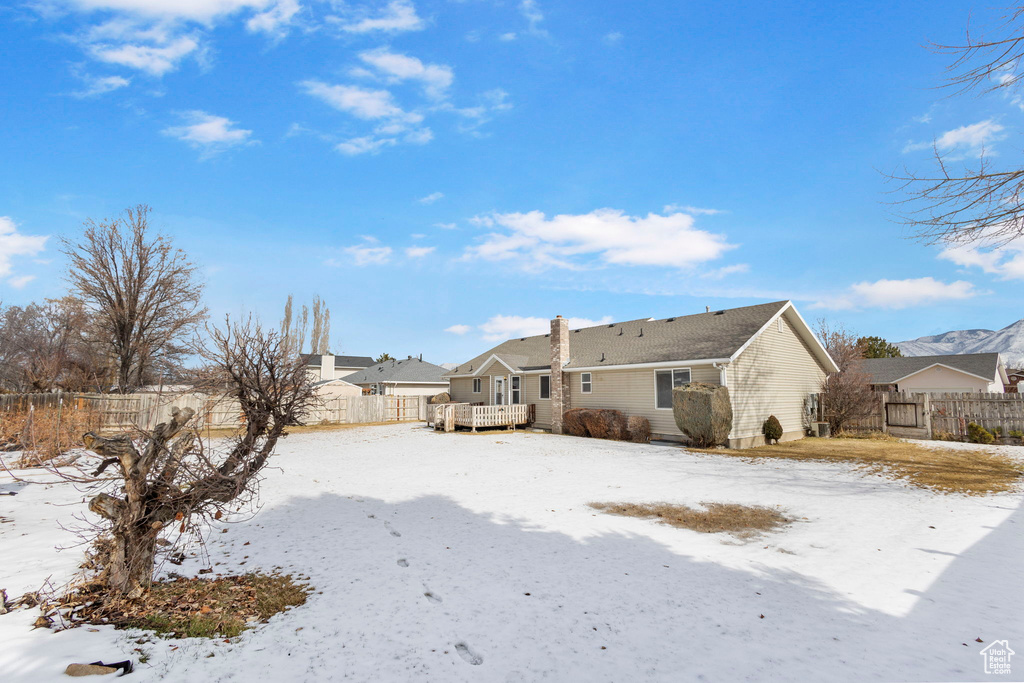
(468, 655)
(371, 516)
(403, 562)
(429, 595)
(391, 529)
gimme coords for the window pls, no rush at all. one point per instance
(476, 385)
(517, 392)
(545, 387)
(586, 385)
(664, 382)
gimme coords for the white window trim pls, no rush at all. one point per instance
(512, 390)
(477, 385)
(588, 381)
(539, 382)
(673, 372)
(504, 392)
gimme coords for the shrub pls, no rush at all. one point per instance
(978, 434)
(639, 429)
(772, 429)
(997, 430)
(572, 422)
(45, 433)
(605, 424)
(597, 423)
(1017, 433)
(703, 412)
(443, 397)
(943, 435)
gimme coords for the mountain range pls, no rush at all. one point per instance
(1008, 341)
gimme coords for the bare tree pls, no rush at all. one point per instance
(845, 395)
(169, 479)
(320, 337)
(143, 294)
(981, 203)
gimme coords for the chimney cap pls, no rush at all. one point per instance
(558, 316)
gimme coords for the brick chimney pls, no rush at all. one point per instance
(559, 384)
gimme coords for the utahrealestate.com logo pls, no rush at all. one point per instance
(997, 657)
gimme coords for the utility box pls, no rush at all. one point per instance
(821, 429)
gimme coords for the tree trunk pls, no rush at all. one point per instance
(130, 568)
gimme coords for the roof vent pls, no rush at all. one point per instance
(641, 332)
(719, 312)
(668, 320)
(523, 339)
(621, 331)
(547, 335)
(602, 357)
(707, 309)
(576, 331)
(611, 326)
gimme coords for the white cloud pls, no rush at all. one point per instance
(360, 102)
(446, 226)
(613, 38)
(395, 67)
(489, 103)
(534, 16)
(459, 329)
(276, 19)
(419, 252)
(898, 294)
(208, 132)
(398, 15)
(368, 253)
(609, 235)
(14, 244)
(725, 271)
(364, 145)
(972, 138)
(1005, 261)
(100, 85)
(692, 210)
(153, 59)
(431, 198)
(502, 327)
(21, 281)
(508, 37)
(195, 10)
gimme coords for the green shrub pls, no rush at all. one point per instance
(703, 412)
(1017, 433)
(998, 430)
(772, 429)
(978, 434)
(639, 429)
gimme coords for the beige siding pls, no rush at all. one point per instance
(461, 390)
(531, 394)
(632, 392)
(945, 380)
(773, 376)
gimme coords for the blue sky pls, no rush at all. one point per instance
(447, 173)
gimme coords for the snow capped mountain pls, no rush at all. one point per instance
(1008, 341)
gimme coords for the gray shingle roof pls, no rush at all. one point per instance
(717, 334)
(313, 360)
(408, 370)
(889, 370)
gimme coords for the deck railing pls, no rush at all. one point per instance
(451, 415)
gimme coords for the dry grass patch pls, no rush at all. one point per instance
(742, 521)
(302, 429)
(945, 470)
(196, 608)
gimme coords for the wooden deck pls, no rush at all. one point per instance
(448, 416)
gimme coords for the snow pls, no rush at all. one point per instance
(459, 557)
(1009, 342)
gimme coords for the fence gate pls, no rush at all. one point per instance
(902, 415)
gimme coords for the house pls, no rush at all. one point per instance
(1014, 378)
(955, 373)
(336, 388)
(328, 366)
(409, 377)
(765, 354)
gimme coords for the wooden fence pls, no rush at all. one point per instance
(926, 416)
(145, 411)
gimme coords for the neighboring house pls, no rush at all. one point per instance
(765, 354)
(334, 367)
(956, 373)
(336, 388)
(409, 377)
(1014, 379)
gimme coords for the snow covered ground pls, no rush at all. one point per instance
(458, 557)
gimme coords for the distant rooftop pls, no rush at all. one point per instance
(891, 370)
(314, 360)
(406, 370)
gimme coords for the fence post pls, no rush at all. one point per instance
(885, 414)
(926, 411)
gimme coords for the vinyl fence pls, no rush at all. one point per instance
(145, 411)
(927, 416)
